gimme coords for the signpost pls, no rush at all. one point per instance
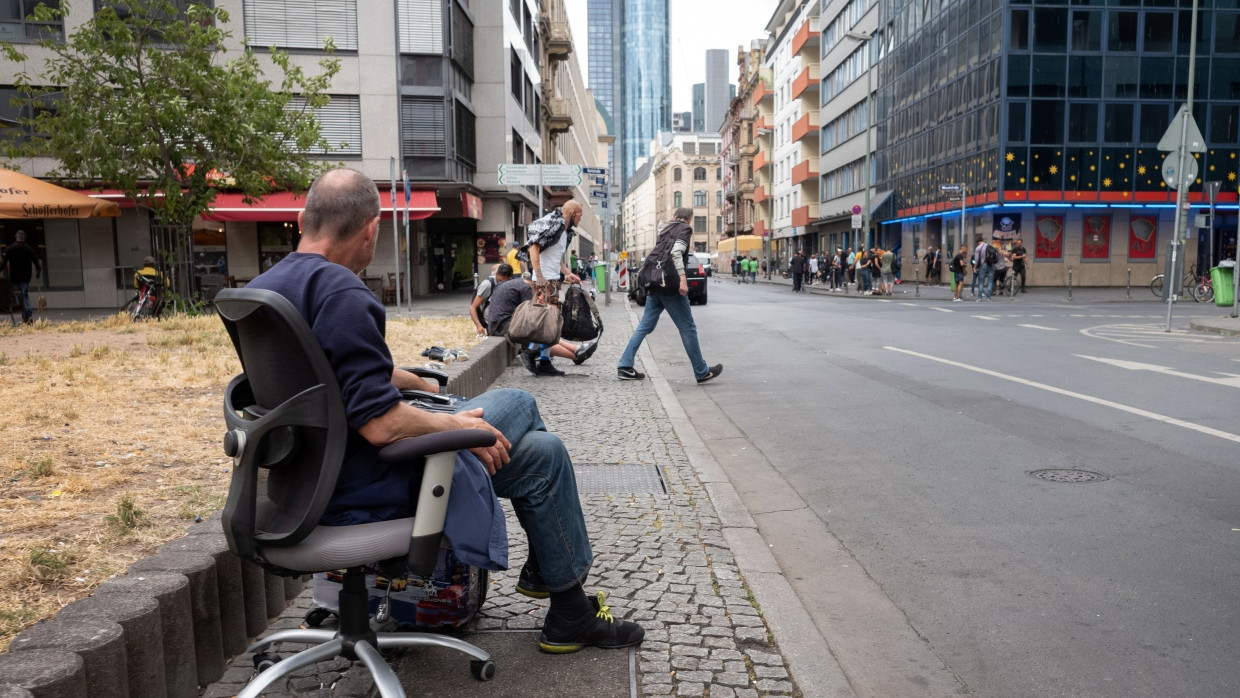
(540, 176)
(856, 218)
(956, 192)
(1182, 139)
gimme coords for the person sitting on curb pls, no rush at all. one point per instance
(528, 465)
(504, 301)
(482, 297)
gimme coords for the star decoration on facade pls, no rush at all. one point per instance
(1010, 157)
(1121, 166)
(1231, 176)
(1054, 169)
(1106, 182)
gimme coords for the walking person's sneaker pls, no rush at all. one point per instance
(546, 369)
(712, 373)
(628, 373)
(585, 350)
(527, 360)
(598, 630)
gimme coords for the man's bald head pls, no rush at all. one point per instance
(339, 204)
(571, 212)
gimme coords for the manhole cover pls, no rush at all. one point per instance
(1068, 475)
(594, 478)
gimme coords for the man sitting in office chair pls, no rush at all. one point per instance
(528, 465)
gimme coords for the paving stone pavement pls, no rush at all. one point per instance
(660, 556)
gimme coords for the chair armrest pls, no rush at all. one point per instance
(438, 376)
(423, 395)
(420, 446)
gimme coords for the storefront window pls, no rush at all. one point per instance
(57, 243)
(275, 241)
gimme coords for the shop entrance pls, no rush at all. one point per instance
(453, 251)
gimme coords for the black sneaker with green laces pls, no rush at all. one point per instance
(598, 630)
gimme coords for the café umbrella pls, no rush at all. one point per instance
(27, 197)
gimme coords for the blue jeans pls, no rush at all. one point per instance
(677, 308)
(987, 281)
(22, 290)
(539, 482)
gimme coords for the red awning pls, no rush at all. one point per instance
(284, 206)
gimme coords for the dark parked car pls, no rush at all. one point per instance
(695, 274)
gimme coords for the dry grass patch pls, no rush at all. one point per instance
(111, 445)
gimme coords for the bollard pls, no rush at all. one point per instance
(254, 583)
(204, 595)
(138, 617)
(275, 594)
(45, 673)
(228, 582)
(1069, 283)
(1128, 290)
(293, 586)
(917, 282)
(100, 644)
(176, 620)
(12, 690)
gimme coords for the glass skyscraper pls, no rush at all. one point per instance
(606, 49)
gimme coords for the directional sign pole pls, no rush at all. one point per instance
(1186, 113)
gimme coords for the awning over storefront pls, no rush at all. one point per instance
(284, 206)
(27, 197)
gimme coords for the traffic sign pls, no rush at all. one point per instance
(600, 181)
(1182, 126)
(546, 175)
(856, 210)
(1172, 175)
(856, 221)
(951, 187)
(596, 194)
(594, 170)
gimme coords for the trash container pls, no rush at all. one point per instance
(1223, 278)
(600, 277)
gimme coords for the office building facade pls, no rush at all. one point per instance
(718, 89)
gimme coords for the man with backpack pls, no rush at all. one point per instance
(482, 296)
(667, 288)
(985, 259)
(547, 241)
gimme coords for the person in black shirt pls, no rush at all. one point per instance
(797, 266)
(19, 259)
(1019, 254)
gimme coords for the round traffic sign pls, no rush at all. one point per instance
(1170, 169)
(856, 210)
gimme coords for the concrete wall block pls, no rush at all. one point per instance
(486, 362)
(293, 586)
(9, 690)
(228, 581)
(100, 644)
(275, 594)
(204, 595)
(138, 616)
(176, 619)
(49, 673)
(254, 582)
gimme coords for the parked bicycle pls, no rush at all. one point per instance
(1203, 292)
(149, 301)
(1190, 281)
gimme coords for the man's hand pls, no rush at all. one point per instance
(684, 286)
(572, 278)
(493, 457)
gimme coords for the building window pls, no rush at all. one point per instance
(516, 75)
(518, 149)
(699, 199)
(699, 174)
(676, 175)
(466, 138)
(307, 24)
(699, 224)
(424, 131)
(719, 198)
(275, 241)
(14, 27)
(678, 199)
(340, 122)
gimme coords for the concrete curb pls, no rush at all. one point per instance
(178, 618)
(789, 622)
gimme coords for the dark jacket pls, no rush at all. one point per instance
(797, 265)
(21, 258)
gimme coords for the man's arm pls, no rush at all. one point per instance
(404, 420)
(474, 309)
(404, 380)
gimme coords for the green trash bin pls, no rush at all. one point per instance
(600, 277)
(1223, 280)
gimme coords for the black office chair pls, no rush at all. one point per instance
(286, 435)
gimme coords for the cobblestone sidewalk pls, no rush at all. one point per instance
(659, 549)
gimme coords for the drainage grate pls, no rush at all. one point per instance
(600, 478)
(1068, 475)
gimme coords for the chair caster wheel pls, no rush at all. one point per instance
(482, 669)
(315, 617)
(265, 660)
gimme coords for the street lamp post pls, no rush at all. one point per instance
(864, 40)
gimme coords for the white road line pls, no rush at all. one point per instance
(942, 310)
(986, 317)
(1079, 396)
(911, 305)
(1039, 327)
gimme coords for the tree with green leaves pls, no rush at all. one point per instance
(143, 98)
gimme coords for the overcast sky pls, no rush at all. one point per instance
(697, 25)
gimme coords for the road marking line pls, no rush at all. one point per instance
(1080, 396)
(1229, 380)
(1039, 327)
(985, 317)
(911, 305)
(949, 310)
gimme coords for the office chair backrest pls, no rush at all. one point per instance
(287, 427)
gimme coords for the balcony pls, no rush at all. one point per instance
(748, 187)
(806, 126)
(749, 150)
(806, 83)
(759, 160)
(759, 194)
(559, 116)
(802, 216)
(557, 41)
(805, 171)
(807, 37)
(761, 92)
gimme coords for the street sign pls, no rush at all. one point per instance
(600, 181)
(1183, 124)
(1170, 170)
(856, 221)
(546, 175)
(594, 170)
(596, 194)
(951, 187)
(856, 210)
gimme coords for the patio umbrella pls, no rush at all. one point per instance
(27, 197)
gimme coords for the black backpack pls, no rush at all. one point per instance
(658, 273)
(992, 257)
(581, 320)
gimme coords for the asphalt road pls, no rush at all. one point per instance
(888, 449)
